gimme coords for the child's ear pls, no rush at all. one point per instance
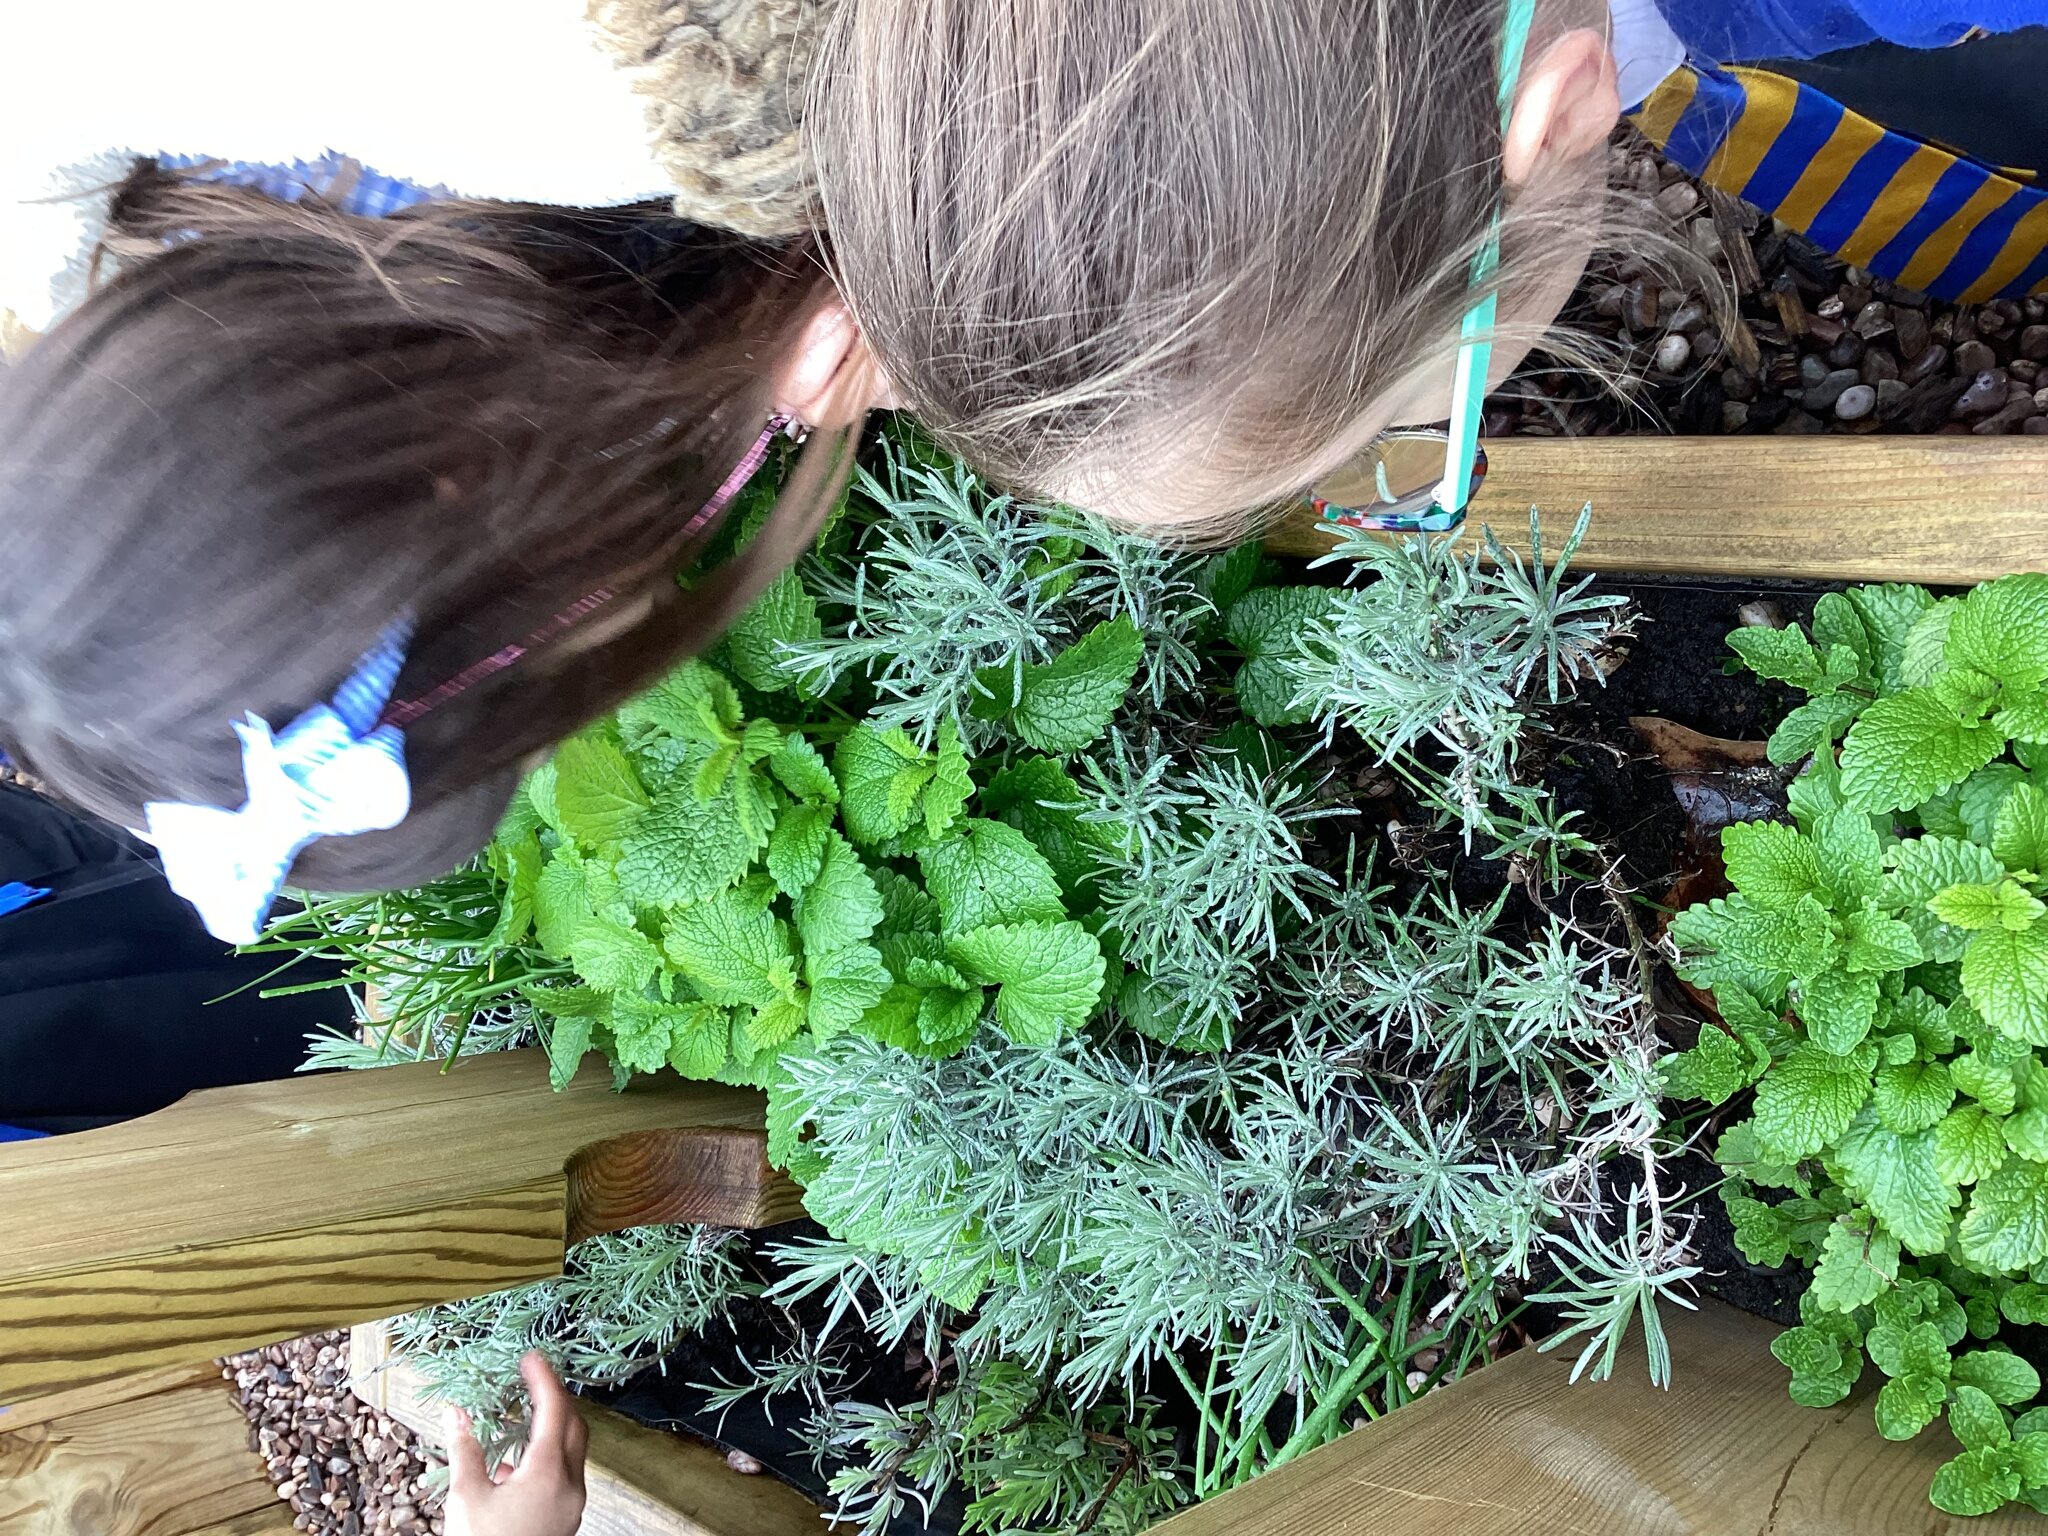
(830, 365)
(1567, 105)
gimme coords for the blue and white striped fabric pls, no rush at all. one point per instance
(333, 772)
(350, 187)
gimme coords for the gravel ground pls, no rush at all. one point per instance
(1819, 346)
(347, 1471)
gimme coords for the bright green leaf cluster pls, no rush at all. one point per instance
(1881, 972)
(722, 892)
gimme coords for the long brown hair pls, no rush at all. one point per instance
(1147, 254)
(248, 453)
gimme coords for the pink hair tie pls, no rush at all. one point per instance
(404, 713)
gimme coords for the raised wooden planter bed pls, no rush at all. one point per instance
(128, 1256)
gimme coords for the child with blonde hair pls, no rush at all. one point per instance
(1177, 260)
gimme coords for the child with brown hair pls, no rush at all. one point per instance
(1176, 260)
(319, 526)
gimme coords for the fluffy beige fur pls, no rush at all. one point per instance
(723, 82)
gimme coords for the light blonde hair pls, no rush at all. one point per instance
(1152, 256)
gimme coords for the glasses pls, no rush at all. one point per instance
(1391, 487)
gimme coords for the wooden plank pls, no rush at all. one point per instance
(242, 1216)
(641, 1481)
(1940, 510)
(275, 1520)
(644, 1482)
(168, 1465)
(1515, 1449)
(104, 1394)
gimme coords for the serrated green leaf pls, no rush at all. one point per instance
(1061, 705)
(2027, 1304)
(1975, 1483)
(947, 1018)
(951, 786)
(560, 902)
(2005, 977)
(685, 849)
(1922, 657)
(1050, 975)
(2027, 1134)
(1837, 1009)
(1999, 1374)
(1967, 1145)
(1857, 1262)
(1787, 656)
(2020, 833)
(1896, 1177)
(1908, 747)
(568, 1042)
(1850, 856)
(844, 984)
(987, 872)
(518, 862)
(2007, 1223)
(1815, 724)
(598, 796)
(2024, 718)
(733, 949)
(1039, 799)
(1770, 863)
(1987, 1080)
(1837, 622)
(1983, 795)
(1762, 1232)
(841, 907)
(1268, 626)
(1889, 613)
(1904, 1408)
(784, 614)
(1713, 937)
(796, 848)
(1824, 1366)
(767, 1029)
(1807, 1102)
(802, 770)
(2004, 905)
(695, 703)
(1974, 1418)
(613, 957)
(882, 775)
(2030, 1460)
(1874, 944)
(1912, 1097)
(2001, 629)
(1741, 1153)
(1922, 868)
(1223, 579)
(699, 1039)
(1715, 1069)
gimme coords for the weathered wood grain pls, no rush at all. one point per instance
(274, 1521)
(646, 1178)
(245, 1215)
(168, 1465)
(1938, 510)
(1514, 1450)
(104, 1394)
(646, 1483)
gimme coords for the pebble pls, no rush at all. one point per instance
(1848, 350)
(1677, 200)
(1760, 613)
(1800, 424)
(1873, 320)
(1734, 415)
(2035, 426)
(1929, 363)
(1975, 357)
(1673, 353)
(743, 1464)
(344, 1469)
(1856, 402)
(2034, 343)
(1639, 306)
(1822, 396)
(1909, 328)
(2009, 417)
(1812, 370)
(1889, 390)
(1987, 392)
(1877, 366)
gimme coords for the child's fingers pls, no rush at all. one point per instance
(556, 1423)
(466, 1475)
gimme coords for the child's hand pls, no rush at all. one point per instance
(544, 1495)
